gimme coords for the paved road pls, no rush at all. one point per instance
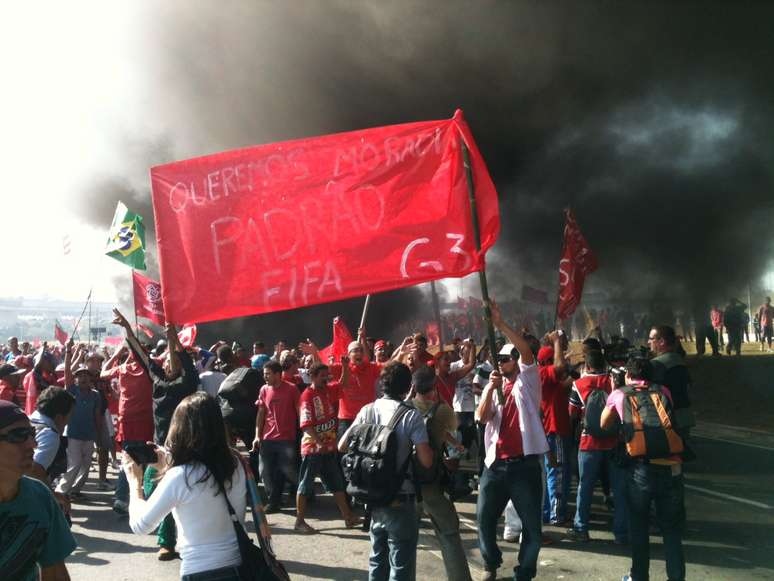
(730, 532)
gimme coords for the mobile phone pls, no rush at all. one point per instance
(143, 454)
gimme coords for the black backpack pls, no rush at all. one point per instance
(371, 464)
(429, 475)
(593, 407)
(237, 396)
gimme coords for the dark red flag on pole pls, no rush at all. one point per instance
(147, 298)
(576, 263)
(60, 333)
(303, 222)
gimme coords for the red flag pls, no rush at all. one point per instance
(113, 341)
(60, 334)
(475, 304)
(433, 334)
(462, 304)
(147, 330)
(534, 295)
(577, 261)
(291, 224)
(341, 340)
(187, 335)
(147, 298)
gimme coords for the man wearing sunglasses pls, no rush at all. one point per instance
(514, 441)
(35, 535)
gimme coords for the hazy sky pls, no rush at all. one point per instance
(73, 78)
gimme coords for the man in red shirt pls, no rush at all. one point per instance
(135, 412)
(318, 445)
(275, 433)
(555, 384)
(41, 377)
(595, 453)
(716, 315)
(766, 317)
(514, 442)
(445, 379)
(363, 375)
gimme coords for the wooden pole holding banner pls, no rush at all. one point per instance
(482, 272)
(437, 313)
(365, 311)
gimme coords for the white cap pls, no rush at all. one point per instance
(354, 345)
(507, 349)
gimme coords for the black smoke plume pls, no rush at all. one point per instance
(653, 120)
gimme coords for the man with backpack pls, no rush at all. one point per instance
(654, 467)
(595, 452)
(377, 464)
(515, 442)
(440, 422)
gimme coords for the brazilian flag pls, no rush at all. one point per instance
(126, 239)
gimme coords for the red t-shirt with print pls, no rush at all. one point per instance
(509, 443)
(578, 397)
(317, 410)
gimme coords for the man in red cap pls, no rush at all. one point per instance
(36, 537)
(556, 383)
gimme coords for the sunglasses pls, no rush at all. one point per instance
(505, 359)
(18, 435)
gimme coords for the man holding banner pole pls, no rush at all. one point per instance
(514, 442)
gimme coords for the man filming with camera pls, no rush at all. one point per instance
(653, 466)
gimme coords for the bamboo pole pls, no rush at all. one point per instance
(482, 272)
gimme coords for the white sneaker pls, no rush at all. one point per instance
(510, 536)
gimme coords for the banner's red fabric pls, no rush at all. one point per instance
(576, 263)
(113, 341)
(147, 298)
(341, 340)
(60, 334)
(291, 224)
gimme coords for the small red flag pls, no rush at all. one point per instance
(147, 330)
(576, 263)
(147, 298)
(462, 304)
(187, 335)
(534, 295)
(341, 340)
(433, 333)
(60, 334)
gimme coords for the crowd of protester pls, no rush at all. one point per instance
(533, 414)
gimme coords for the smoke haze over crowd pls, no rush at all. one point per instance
(653, 121)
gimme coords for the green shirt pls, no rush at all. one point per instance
(444, 421)
(33, 532)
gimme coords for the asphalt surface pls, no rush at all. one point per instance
(730, 530)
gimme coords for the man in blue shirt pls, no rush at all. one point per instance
(34, 536)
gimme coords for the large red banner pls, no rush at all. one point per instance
(291, 224)
(576, 263)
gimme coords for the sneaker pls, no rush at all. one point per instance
(578, 536)
(511, 536)
(104, 485)
(627, 578)
(166, 554)
(121, 507)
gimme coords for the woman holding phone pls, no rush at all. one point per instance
(196, 468)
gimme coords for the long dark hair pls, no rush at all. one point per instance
(197, 435)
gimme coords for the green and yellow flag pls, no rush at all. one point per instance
(126, 239)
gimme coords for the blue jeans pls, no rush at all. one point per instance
(278, 463)
(648, 483)
(394, 536)
(557, 480)
(520, 482)
(590, 464)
